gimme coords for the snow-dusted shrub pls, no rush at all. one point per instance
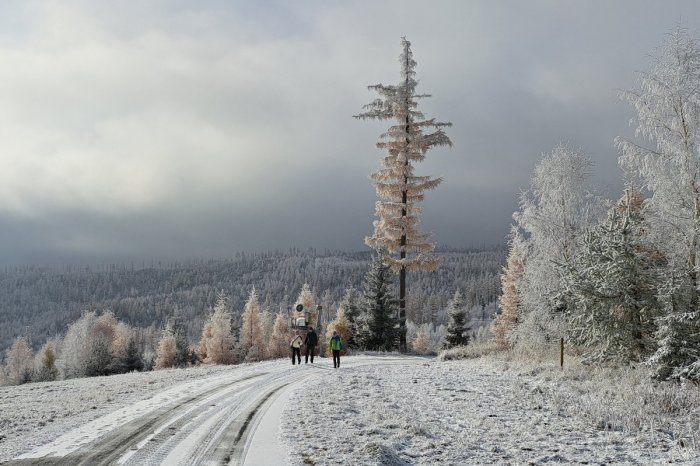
(281, 336)
(76, 346)
(340, 324)
(167, 351)
(19, 361)
(45, 369)
(426, 339)
(628, 399)
(99, 345)
(476, 349)
(421, 342)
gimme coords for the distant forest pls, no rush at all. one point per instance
(42, 302)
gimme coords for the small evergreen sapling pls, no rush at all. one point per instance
(381, 331)
(351, 306)
(457, 328)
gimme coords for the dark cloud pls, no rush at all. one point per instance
(171, 130)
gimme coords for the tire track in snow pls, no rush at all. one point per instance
(112, 446)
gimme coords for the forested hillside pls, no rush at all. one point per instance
(43, 302)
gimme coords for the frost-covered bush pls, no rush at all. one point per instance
(476, 349)
(167, 351)
(340, 324)
(425, 339)
(281, 336)
(99, 345)
(628, 399)
(19, 361)
(45, 369)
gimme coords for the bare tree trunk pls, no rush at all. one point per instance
(402, 302)
(402, 272)
(692, 260)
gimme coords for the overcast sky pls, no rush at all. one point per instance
(179, 130)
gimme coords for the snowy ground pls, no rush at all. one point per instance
(32, 415)
(387, 410)
(470, 412)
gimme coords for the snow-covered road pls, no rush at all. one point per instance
(231, 417)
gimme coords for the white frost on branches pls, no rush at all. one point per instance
(398, 187)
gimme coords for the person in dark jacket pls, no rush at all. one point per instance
(310, 341)
(335, 344)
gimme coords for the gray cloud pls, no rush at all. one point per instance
(181, 130)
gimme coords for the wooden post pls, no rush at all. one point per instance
(561, 354)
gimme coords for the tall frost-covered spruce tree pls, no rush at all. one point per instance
(398, 187)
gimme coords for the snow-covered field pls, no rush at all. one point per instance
(387, 410)
(483, 411)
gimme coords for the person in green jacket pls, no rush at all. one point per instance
(335, 344)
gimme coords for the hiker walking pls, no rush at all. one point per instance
(335, 344)
(310, 341)
(296, 348)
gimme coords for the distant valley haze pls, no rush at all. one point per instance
(161, 130)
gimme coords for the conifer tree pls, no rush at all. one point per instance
(381, 331)
(510, 301)
(99, 361)
(398, 187)
(458, 327)
(252, 338)
(182, 345)
(281, 336)
(609, 290)
(667, 106)
(678, 335)
(351, 307)
(217, 342)
(132, 358)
